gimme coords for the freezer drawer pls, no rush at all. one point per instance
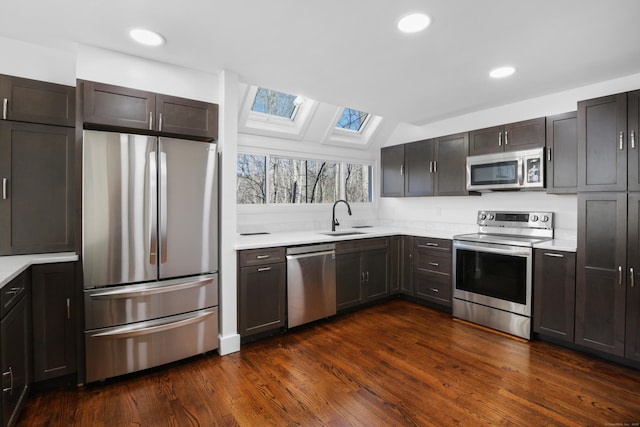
(119, 305)
(130, 348)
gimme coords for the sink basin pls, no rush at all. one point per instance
(342, 233)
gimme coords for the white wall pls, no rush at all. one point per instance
(36, 62)
(457, 214)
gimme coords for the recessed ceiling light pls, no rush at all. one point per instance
(146, 37)
(498, 73)
(414, 23)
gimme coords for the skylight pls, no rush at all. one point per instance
(352, 120)
(275, 103)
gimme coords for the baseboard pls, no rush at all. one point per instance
(229, 344)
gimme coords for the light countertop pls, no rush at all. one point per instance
(12, 266)
(558, 245)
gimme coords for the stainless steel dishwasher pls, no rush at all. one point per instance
(311, 283)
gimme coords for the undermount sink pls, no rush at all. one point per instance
(342, 233)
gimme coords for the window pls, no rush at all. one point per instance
(352, 120)
(274, 179)
(274, 103)
(357, 183)
(252, 179)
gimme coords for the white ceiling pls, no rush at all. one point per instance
(348, 52)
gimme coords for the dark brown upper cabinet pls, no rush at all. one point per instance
(633, 131)
(392, 166)
(562, 153)
(515, 136)
(25, 100)
(605, 153)
(433, 167)
(124, 108)
(37, 202)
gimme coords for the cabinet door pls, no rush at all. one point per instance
(451, 165)
(601, 268)
(375, 265)
(562, 153)
(54, 311)
(118, 107)
(406, 285)
(186, 117)
(262, 298)
(602, 153)
(486, 141)
(26, 100)
(37, 204)
(554, 294)
(632, 335)
(15, 350)
(348, 280)
(395, 264)
(419, 173)
(633, 144)
(392, 166)
(524, 135)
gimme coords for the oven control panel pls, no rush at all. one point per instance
(516, 219)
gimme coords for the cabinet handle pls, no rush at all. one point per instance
(499, 139)
(261, 269)
(549, 154)
(160, 123)
(430, 167)
(5, 108)
(435, 264)
(150, 120)
(68, 309)
(262, 256)
(633, 139)
(435, 166)
(432, 244)
(4, 188)
(506, 137)
(631, 274)
(366, 276)
(621, 138)
(620, 275)
(554, 255)
(9, 373)
(436, 290)
(410, 258)
(401, 169)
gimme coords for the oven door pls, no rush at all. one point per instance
(493, 275)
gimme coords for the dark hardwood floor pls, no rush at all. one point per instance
(392, 364)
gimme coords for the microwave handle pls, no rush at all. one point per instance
(521, 171)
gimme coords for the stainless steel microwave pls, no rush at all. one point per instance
(511, 170)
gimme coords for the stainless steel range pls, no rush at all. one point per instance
(493, 269)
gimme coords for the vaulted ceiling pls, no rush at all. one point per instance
(350, 53)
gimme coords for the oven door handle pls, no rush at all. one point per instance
(494, 249)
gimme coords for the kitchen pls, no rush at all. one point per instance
(455, 215)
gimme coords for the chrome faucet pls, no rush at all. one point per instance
(334, 221)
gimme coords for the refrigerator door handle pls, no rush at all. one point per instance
(163, 207)
(153, 210)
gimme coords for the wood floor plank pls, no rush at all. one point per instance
(394, 364)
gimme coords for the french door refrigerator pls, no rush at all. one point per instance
(149, 251)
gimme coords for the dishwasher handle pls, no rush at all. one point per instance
(311, 254)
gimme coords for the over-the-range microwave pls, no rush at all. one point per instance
(510, 170)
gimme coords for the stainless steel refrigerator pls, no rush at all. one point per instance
(150, 251)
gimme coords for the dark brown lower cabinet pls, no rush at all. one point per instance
(554, 294)
(362, 271)
(601, 286)
(54, 320)
(15, 347)
(632, 332)
(262, 291)
(432, 270)
(406, 266)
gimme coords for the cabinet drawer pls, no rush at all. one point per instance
(434, 287)
(362, 244)
(433, 260)
(261, 256)
(12, 292)
(431, 243)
